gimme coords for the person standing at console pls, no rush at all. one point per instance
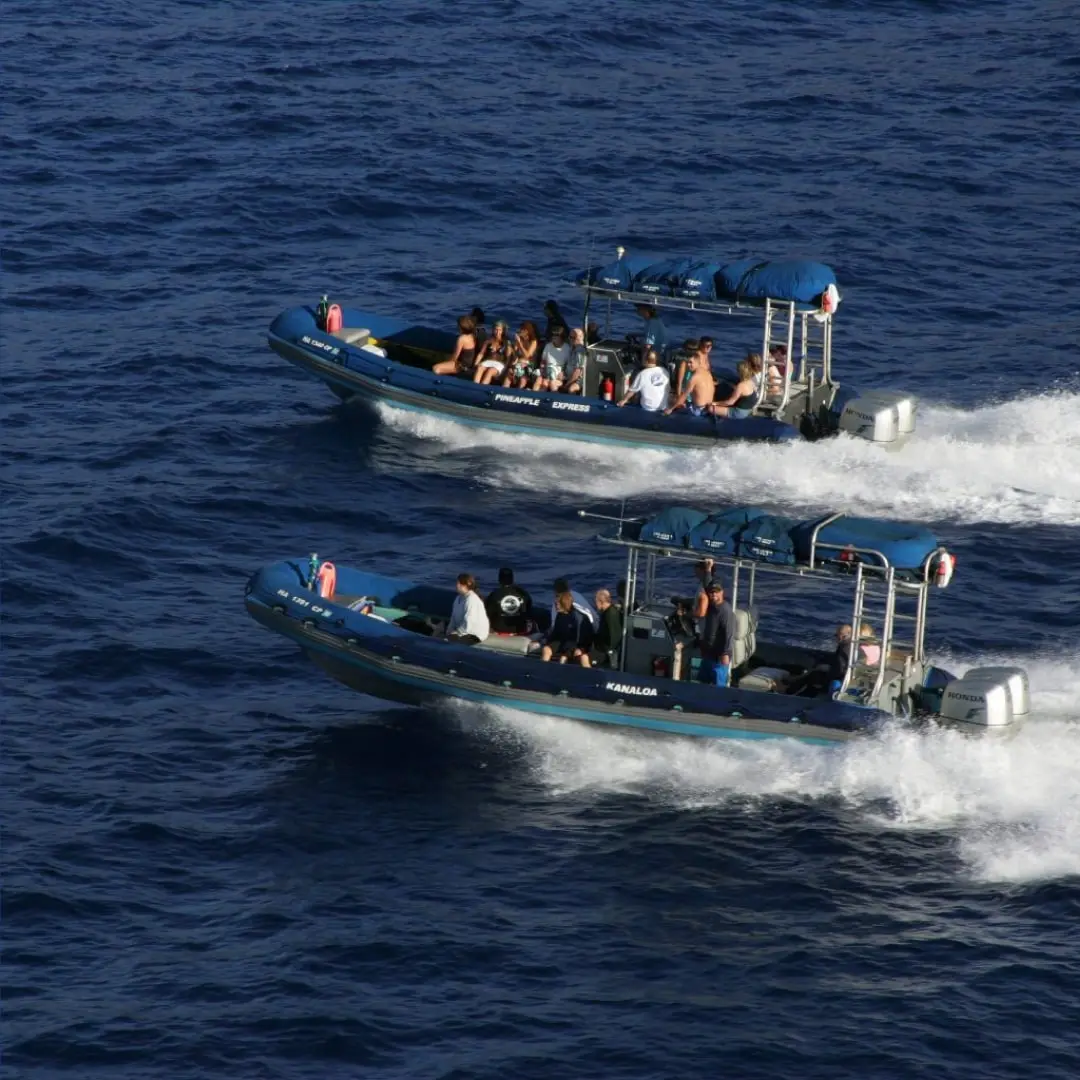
(717, 638)
(655, 335)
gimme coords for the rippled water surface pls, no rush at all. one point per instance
(216, 862)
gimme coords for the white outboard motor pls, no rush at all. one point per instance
(882, 416)
(1014, 678)
(987, 697)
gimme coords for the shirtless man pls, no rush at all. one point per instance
(699, 391)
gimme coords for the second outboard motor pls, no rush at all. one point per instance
(978, 702)
(1014, 678)
(882, 416)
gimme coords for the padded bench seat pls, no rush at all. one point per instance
(763, 678)
(515, 644)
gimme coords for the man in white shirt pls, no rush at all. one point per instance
(553, 362)
(469, 623)
(582, 605)
(652, 383)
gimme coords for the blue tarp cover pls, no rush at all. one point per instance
(718, 534)
(698, 282)
(671, 526)
(662, 277)
(793, 279)
(752, 534)
(904, 544)
(700, 278)
(769, 539)
(619, 274)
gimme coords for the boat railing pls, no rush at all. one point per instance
(786, 322)
(686, 303)
(867, 570)
(842, 570)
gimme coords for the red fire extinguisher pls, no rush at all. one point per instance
(607, 388)
(660, 667)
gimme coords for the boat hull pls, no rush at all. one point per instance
(353, 373)
(381, 659)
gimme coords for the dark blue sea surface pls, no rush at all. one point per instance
(219, 863)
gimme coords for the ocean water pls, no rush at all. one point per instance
(218, 863)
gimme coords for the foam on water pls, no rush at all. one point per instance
(1016, 462)
(1012, 803)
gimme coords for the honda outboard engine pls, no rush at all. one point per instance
(987, 697)
(1014, 678)
(882, 416)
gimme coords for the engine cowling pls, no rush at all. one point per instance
(882, 416)
(1014, 678)
(978, 702)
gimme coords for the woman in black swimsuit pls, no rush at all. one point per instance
(464, 355)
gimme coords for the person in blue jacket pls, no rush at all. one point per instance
(571, 634)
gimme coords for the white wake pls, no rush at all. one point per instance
(1017, 462)
(1011, 805)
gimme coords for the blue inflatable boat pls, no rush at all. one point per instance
(376, 358)
(385, 636)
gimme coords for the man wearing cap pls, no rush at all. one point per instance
(717, 637)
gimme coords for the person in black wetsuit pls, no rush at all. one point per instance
(508, 605)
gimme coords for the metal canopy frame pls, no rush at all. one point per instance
(786, 322)
(869, 580)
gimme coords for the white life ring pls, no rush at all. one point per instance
(943, 571)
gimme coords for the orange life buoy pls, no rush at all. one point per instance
(327, 580)
(333, 319)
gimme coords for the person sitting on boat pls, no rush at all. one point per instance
(464, 354)
(652, 384)
(691, 347)
(739, 404)
(508, 606)
(571, 634)
(869, 649)
(493, 356)
(716, 641)
(580, 603)
(655, 335)
(697, 396)
(469, 623)
(608, 640)
(522, 366)
(555, 321)
(826, 676)
(480, 323)
(553, 361)
(778, 362)
(575, 369)
(592, 333)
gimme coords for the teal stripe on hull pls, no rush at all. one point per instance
(370, 391)
(563, 711)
